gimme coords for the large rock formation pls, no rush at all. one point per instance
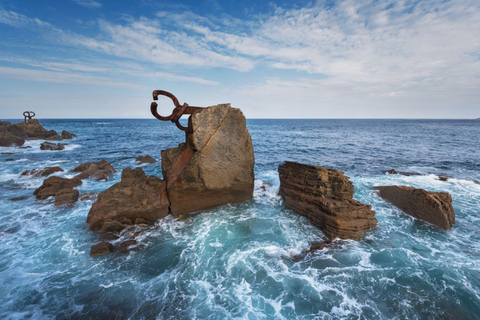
(214, 166)
(433, 207)
(136, 196)
(99, 170)
(325, 197)
(16, 134)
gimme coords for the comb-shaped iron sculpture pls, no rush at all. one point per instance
(178, 111)
(28, 116)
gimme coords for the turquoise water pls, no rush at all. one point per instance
(231, 262)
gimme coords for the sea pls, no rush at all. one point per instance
(234, 261)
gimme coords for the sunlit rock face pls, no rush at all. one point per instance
(215, 165)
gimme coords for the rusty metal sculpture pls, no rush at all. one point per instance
(177, 112)
(28, 116)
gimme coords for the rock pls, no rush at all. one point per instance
(141, 221)
(325, 197)
(25, 147)
(316, 246)
(9, 160)
(97, 170)
(54, 184)
(8, 140)
(7, 153)
(88, 196)
(67, 196)
(18, 198)
(52, 135)
(443, 178)
(112, 226)
(145, 159)
(215, 165)
(101, 249)
(433, 207)
(52, 146)
(124, 246)
(42, 172)
(135, 196)
(393, 171)
(68, 135)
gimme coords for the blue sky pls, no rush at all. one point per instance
(280, 59)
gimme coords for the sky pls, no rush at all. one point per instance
(272, 59)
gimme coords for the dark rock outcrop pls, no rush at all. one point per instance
(145, 159)
(67, 135)
(52, 135)
(42, 172)
(215, 165)
(52, 146)
(325, 197)
(8, 140)
(16, 134)
(393, 171)
(18, 198)
(433, 207)
(101, 249)
(67, 196)
(135, 196)
(96, 170)
(54, 184)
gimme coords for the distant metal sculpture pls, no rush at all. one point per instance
(28, 116)
(177, 112)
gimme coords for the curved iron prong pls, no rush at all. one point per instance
(153, 110)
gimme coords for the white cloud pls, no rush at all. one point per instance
(88, 3)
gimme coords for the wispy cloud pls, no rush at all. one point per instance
(88, 3)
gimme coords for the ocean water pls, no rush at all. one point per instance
(233, 262)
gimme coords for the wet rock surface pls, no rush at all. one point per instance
(52, 146)
(54, 184)
(433, 207)
(215, 165)
(68, 135)
(16, 134)
(42, 172)
(67, 196)
(96, 170)
(135, 196)
(325, 197)
(101, 249)
(145, 159)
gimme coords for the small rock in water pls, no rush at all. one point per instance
(25, 147)
(52, 146)
(101, 249)
(96, 170)
(67, 135)
(124, 246)
(393, 171)
(18, 198)
(9, 160)
(42, 172)
(441, 178)
(54, 184)
(67, 196)
(7, 153)
(52, 135)
(433, 207)
(145, 159)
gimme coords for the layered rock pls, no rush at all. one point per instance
(42, 172)
(66, 197)
(145, 159)
(215, 165)
(433, 207)
(96, 170)
(135, 196)
(54, 184)
(325, 197)
(52, 146)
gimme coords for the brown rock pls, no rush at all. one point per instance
(97, 170)
(215, 165)
(145, 159)
(52, 135)
(9, 140)
(67, 196)
(18, 198)
(88, 196)
(136, 196)
(408, 174)
(54, 184)
(52, 146)
(433, 207)
(141, 221)
(67, 135)
(42, 172)
(124, 246)
(9, 160)
(101, 249)
(325, 197)
(441, 178)
(112, 226)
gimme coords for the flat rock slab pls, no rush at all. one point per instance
(325, 197)
(99, 170)
(433, 207)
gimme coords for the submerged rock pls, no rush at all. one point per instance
(41, 172)
(145, 159)
(125, 246)
(96, 170)
(67, 196)
(101, 249)
(54, 184)
(135, 196)
(325, 197)
(52, 146)
(433, 207)
(215, 165)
